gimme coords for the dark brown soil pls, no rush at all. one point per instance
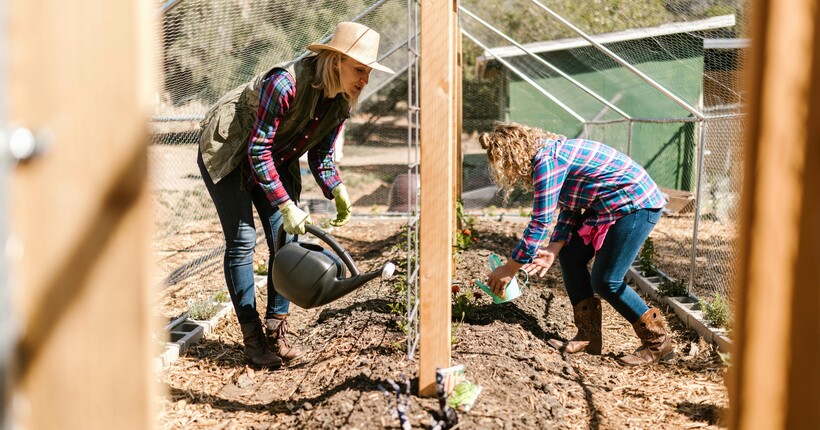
(355, 344)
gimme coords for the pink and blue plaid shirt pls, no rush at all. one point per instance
(577, 175)
(266, 155)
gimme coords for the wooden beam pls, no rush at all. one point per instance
(438, 19)
(84, 73)
(773, 381)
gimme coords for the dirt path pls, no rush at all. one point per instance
(354, 345)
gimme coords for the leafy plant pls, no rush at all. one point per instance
(262, 268)
(646, 258)
(717, 311)
(672, 288)
(203, 310)
(464, 304)
(222, 297)
(465, 224)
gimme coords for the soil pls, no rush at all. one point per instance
(355, 345)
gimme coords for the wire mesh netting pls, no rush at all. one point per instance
(212, 46)
(658, 80)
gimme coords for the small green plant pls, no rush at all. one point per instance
(672, 288)
(717, 311)
(203, 310)
(465, 224)
(646, 258)
(222, 297)
(262, 268)
(464, 304)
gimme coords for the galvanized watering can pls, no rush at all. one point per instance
(309, 275)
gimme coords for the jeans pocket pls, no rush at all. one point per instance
(653, 215)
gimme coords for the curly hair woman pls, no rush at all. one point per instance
(607, 205)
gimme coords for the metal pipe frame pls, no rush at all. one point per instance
(682, 103)
(526, 78)
(581, 86)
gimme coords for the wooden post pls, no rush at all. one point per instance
(83, 72)
(438, 19)
(774, 382)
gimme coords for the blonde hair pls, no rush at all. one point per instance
(511, 148)
(328, 75)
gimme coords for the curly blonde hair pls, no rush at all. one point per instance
(510, 149)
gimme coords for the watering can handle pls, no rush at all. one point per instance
(324, 237)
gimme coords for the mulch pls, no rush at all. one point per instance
(355, 345)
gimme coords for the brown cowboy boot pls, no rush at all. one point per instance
(655, 344)
(256, 348)
(276, 329)
(588, 321)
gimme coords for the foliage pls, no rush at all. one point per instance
(717, 311)
(222, 297)
(203, 310)
(465, 228)
(399, 284)
(646, 258)
(464, 304)
(673, 288)
(262, 268)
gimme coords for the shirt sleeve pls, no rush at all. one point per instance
(567, 222)
(320, 161)
(275, 98)
(548, 178)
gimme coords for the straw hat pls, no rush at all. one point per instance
(357, 42)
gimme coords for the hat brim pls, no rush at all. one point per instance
(316, 47)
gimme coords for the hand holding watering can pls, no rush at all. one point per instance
(503, 280)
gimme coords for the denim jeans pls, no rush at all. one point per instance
(622, 243)
(235, 208)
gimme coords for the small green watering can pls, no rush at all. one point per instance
(511, 291)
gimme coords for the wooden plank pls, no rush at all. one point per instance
(81, 212)
(774, 382)
(436, 217)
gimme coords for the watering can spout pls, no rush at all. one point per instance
(342, 287)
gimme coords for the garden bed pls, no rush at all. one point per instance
(354, 345)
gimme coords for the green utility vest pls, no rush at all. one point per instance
(228, 124)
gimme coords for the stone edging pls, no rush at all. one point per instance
(687, 308)
(184, 332)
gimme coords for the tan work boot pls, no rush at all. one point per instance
(587, 315)
(276, 329)
(256, 348)
(655, 343)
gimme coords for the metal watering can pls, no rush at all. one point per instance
(309, 275)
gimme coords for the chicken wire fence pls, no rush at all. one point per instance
(211, 46)
(658, 80)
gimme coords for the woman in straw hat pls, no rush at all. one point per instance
(249, 152)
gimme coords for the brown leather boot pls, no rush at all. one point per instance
(256, 348)
(276, 329)
(655, 344)
(588, 321)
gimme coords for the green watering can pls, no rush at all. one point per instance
(511, 291)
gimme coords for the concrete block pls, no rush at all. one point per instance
(186, 334)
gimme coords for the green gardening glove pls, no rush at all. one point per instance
(294, 219)
(343, 206)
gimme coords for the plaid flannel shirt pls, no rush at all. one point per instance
(577, 175)
(266, 155)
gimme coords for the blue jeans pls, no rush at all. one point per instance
(235, 206)
(622, 244)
